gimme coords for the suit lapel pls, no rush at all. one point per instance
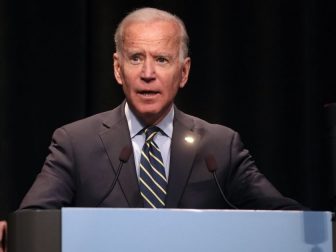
(183, 152)
(116, 135)
(115, 138)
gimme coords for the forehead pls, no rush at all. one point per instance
(153, 33)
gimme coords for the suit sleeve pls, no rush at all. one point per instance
(248, 188)
(54, 185)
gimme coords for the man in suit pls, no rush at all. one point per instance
(151, 64)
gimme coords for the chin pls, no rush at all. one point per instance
(149, 109)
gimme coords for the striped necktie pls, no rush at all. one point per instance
(153, 182)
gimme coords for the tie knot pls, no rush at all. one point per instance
(150, 132)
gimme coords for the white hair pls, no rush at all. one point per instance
(147, 15)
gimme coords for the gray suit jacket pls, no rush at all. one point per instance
(84, 156)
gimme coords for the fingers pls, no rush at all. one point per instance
(3, 235)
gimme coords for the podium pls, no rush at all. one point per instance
(147, 230)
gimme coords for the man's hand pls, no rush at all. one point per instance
(3, 236)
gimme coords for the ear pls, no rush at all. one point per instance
(185, 71)
(117, 68)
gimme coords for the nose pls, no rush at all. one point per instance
(148, 70)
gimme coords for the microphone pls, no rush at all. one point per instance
(123, 158)
(212, 167)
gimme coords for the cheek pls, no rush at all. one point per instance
(131, 75)
(176, 81)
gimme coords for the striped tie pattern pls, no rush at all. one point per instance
(153, 182)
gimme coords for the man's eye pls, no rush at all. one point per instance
(162, 60)
(135, 59)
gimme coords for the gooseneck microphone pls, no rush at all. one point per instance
(212, 167)
(123, 158)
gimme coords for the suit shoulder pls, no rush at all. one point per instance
(210, 128)
(95, 123)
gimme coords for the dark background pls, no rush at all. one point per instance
(264, 68)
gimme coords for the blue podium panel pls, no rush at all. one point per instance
(169, 230)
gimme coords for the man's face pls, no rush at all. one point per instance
(150, 69)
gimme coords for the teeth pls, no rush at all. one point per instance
(148, 93)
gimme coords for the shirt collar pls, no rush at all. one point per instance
(135, 126)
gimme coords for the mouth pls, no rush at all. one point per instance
(148, 93)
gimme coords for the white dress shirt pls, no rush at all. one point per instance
(162, 139)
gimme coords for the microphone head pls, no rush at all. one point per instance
(125, 154)
(211, 163)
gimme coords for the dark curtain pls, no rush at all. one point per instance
(264, 68)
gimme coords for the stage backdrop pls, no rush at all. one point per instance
(264, 68)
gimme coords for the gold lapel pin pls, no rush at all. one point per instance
(189, 139)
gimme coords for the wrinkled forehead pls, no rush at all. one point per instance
(151, 32)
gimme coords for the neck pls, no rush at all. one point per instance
(149, 119)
